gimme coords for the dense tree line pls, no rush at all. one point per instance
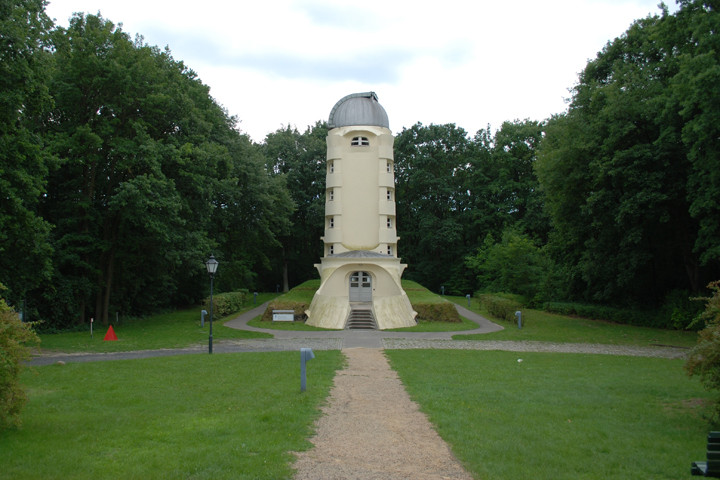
(615, 201)
(120, 174)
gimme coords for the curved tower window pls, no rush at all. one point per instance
(360, 142)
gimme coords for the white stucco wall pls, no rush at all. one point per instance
(359, 209)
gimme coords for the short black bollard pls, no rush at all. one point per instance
(254, 298)
(306, 354)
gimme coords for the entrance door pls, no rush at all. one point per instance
(360, 287)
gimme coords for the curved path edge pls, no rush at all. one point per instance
(364, 338)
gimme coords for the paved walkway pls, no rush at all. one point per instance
(345, 339)
(364, 338)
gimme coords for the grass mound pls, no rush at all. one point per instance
(298, 299)
(430, 306)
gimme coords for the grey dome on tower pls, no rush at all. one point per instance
(358, 109)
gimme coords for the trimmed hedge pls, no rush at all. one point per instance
(298, 307)
(600, 312)
(437, 312)
(227, 303)
(499, 307)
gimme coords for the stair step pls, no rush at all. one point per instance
(361, 319)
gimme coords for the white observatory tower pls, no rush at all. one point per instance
(360, 272)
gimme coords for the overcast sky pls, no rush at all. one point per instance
(275, 63)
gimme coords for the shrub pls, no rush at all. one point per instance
(499, 307)
(227, 303)
(298, 307)
(514, 264)
(13, 352)
(437, 312)
(600, 312)
(680, 311)
(704, 358)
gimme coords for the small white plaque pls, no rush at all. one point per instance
(283, 315)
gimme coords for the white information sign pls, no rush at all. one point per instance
(283, 315)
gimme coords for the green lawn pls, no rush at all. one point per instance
(425, 326)
(302, 293)
(559, 416)
(549, 327)
(418, 294)
(233, 416)
(168, 330)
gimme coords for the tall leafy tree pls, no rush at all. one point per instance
(616, 169)
(433, 201)
(25, 66)
(155, 176)
(299, 160)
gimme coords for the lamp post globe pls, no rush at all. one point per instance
(211, 266)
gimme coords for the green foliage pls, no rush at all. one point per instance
(602, 312)
(14, 334)
(25, 68)
(679, 311)
(151, 176)
(452, 190)
(225, 304)
(514, 264)
(630, 171)
(298, 160)
(704, 358)
(437, 312)
(499, 307)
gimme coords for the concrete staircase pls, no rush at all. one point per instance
(361, 318)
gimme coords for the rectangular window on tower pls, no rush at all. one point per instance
(389, 167)
(389, 222)
(389, 250)
(331, 223)
(331, 167)
(331, 195)
(389, 195)
(331, 250)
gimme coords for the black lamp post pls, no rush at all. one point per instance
(211, 265)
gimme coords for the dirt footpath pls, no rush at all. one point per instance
(372, 430)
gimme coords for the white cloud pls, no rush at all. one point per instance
(278, 62)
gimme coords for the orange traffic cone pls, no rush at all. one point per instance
(110, 335)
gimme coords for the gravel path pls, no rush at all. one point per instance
(372, 430)
(220, 346)
(529, 346)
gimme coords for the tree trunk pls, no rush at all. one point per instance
(108, 284)
(286, 285)
(81, 317)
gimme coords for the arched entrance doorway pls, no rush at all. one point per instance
(360, 287)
